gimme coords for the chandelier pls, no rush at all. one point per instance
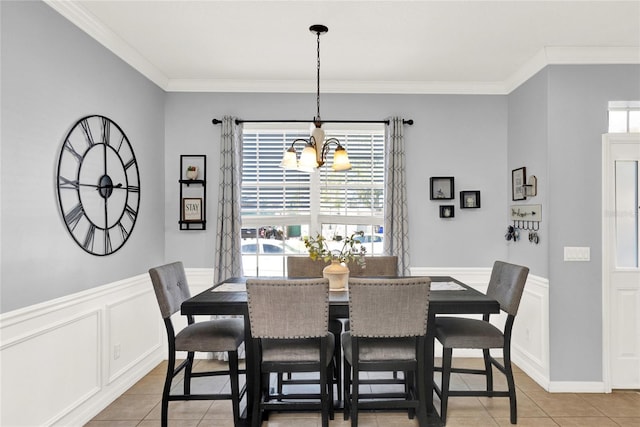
(316, 147)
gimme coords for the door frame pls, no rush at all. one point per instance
(608, 139)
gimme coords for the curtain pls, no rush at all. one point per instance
(396, 223)
(228, 261)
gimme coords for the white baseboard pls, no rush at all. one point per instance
(577, 387)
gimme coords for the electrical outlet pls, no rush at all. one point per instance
(573, 253)
(116, 352)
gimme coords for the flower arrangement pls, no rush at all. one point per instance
(192, 172)
(352, 249)
(192, 168)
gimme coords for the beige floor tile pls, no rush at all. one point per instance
(616, 404)
(129, 407)
(182, 410)
(526, 422)
(466, 407)
(585, 422)
(525, 383)
(500, 407)
(564, 404)
(111, 423)
(627, 422)
(150, 384)
(478, 421)
(172, 423)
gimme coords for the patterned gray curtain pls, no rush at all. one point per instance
(228, 262)
(396, 224)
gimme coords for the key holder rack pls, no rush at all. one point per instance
(525, 217)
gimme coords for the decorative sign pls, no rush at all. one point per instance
(192, 209)
(525, 212)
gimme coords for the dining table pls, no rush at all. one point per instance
(448, 296)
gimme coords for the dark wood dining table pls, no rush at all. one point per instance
(448, 296)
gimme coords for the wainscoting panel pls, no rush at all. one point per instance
(58, 364)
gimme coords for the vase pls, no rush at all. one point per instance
(193, 174)
(338, 274)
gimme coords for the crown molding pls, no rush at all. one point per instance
(103, 35)
(547, 56)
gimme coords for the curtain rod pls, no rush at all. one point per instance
(239, 121)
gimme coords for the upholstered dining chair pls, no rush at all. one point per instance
(220, 335)
(289, 326)
(388, 328)
(506, 286)
(303, 266)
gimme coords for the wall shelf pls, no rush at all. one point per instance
(193, 192)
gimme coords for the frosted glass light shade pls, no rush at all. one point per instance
(341, 160)
(308, 158)
(289, 160)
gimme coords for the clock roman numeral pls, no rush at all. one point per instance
(89, 238)
(70, 149)
(130, 163)
(123, 231)
(131, 213)
(87, 132)
(74, 216)
(106, 130)
(107, 242)
(67, 183)
(133, 188)
(120, 144)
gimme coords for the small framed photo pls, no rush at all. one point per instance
(518, 180)
(469, 199)
(441, 188)
(447, 211)
(192, 209)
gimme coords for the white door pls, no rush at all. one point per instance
(621, 259)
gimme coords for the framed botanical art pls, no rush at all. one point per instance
(469, 199)
(518, 180)
(192, 209)
(441, 188)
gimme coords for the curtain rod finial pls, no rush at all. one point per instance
(216, 121)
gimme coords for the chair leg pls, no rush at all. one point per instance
(171, 366)
(324, 393)
(488, 367)
(446, 377)
(187, 373)
(355, 385)
(235, 386)
(511, 384)
(346, 383)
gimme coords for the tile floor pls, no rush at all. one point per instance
(140, 406)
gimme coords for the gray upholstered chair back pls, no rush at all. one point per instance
(375, 266)
(380, 308)
(506, 285)
(288, 308)
(171, 287)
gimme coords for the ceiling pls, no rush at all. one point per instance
(371, 47)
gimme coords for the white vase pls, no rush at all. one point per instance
(338, 274)
(192, 174)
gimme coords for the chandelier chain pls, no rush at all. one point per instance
(318, 79)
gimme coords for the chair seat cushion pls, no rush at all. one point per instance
(455, 332)
(212, 335)
(295, 350)
(380, 349)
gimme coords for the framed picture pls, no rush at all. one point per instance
(469, 199)
(518, 180)
(447, 211)
(192, 209)
(441, 188)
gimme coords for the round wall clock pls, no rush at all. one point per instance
(98, 185)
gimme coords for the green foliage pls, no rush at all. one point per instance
(352, 249)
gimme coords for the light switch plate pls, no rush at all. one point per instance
(577, 253)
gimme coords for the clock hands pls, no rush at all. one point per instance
(100, 187)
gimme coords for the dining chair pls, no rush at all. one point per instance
(388, 320)
(506, 286)
(305, 267)
(289, 326)
(219, 335)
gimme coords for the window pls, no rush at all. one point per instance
(280, 207)
(624, 116)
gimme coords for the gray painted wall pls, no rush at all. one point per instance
(556, 122)
(52, 75)
(459, 136)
